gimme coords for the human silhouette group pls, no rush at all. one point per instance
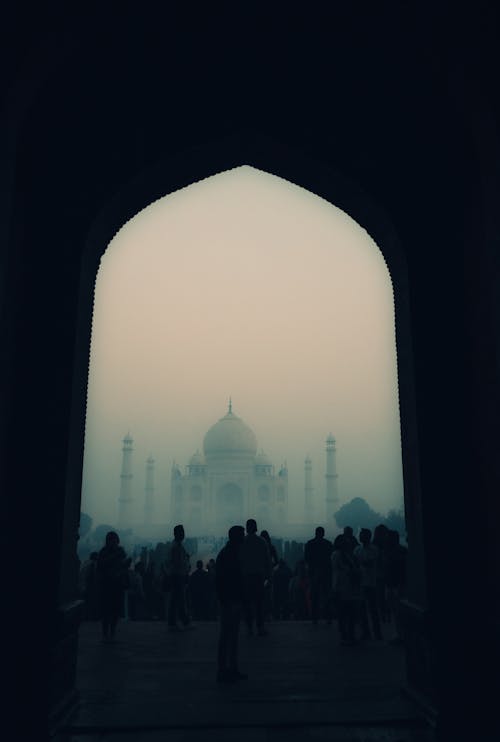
(357, 583)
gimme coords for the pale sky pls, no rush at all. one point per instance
(243, 285)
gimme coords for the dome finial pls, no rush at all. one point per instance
(230, 410)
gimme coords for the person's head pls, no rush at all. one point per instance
(365, 536)
(320, 532)
(348, 531)
(251, 526)
(236, 534)
(211, 563)
(112, 538)
(179, 533)
(199, 564)
(265, 535)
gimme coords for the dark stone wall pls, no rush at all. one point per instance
(107, 111)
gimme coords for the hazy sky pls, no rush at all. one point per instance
(243, 285)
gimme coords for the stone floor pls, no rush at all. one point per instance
(154, 685)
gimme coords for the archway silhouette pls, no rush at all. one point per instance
(267, 156)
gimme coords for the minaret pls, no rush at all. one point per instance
(125, 500)
(332, 499)
(308, 491)
(149, 491)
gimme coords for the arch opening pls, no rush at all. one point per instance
(361, 210)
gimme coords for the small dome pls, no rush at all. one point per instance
(262, 460)
(230, 436)
(197, 459)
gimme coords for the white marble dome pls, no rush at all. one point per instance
(230, 436)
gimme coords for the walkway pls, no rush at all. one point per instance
(153, 685)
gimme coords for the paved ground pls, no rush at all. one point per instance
(153, 685)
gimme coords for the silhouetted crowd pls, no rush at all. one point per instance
(359, 584)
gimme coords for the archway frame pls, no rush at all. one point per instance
(171, 174)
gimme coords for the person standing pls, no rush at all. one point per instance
(351, 538)
(230, 593)
(272, 549)
(300, 592)
(318, 557)
(281, 591)
(199, 592)
(395, 579)
(256, 570)
(268, 584)
(380, 535)
(213, 611)
(347, 586)
(367, 556)
(112, 575)
(177, 569)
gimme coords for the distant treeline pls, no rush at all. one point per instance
(358, 514)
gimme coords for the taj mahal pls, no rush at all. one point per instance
(227, 482)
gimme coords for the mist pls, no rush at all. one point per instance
(243, 286)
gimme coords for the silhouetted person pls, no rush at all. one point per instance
(149, 583)
(213, 610)
(281, 591)
(268, 584)
(351, 538)
(380, 535)
(112, 573)
(199, 591)
(347, 586)
(395, 578)
(318, 555)
(272, 549)
(367, 556)
(135, 594)
(256, 569)
(300, 594)
(177, 568)
(230, 593)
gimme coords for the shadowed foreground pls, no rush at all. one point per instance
(153, 685)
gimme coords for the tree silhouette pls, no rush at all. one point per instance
(358, 514)
(395, 520)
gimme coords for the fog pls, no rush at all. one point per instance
(243, 286)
